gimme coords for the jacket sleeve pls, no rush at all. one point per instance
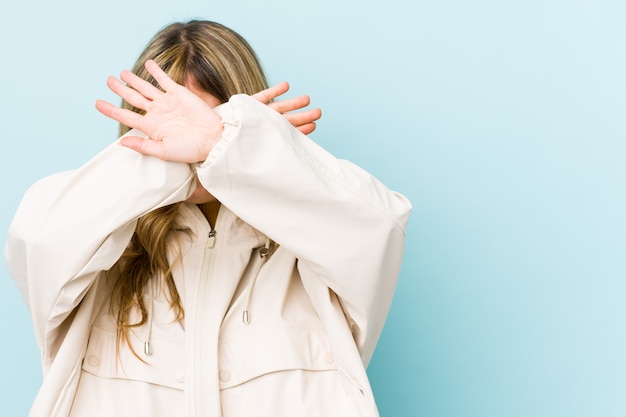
(340, 222)
(72, 225)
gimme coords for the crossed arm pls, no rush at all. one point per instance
(181, 125)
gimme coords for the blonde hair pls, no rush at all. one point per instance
(215, 57)
(220, 62)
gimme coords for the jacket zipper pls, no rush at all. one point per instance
(199, 404)
(211, 240)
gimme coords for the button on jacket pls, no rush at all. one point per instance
(284, 298)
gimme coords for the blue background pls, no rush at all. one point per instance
(502, 121)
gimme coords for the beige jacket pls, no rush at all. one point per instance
(283, 335)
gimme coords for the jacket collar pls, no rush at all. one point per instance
(232, 231)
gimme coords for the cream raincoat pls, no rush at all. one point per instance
(282, 329)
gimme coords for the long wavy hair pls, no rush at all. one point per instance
(221, 62)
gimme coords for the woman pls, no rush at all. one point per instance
(218, 263)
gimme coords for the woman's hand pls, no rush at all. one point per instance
(303, 121)
(182, 126)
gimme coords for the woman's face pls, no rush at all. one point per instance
(200, 194)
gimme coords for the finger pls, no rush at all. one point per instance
(129, 94)
(162, 78)
(144, 87)
(143, 146)
(271, 93)
(284, 106)
(123, 116)
(303, 118)
(307, 128)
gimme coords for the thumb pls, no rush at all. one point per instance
(142, 145)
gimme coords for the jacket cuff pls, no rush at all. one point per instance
(226, 113)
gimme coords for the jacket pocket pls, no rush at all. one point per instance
(264, 351)
(165, 366)
(284, 373)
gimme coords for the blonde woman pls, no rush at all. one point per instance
(212, 262)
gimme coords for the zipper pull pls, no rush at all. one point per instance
(211, 241)
(267, 251)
